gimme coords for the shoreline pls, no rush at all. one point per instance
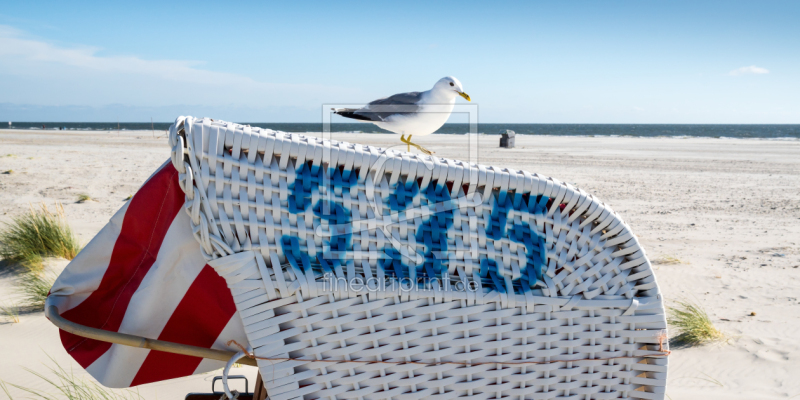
(319, 133)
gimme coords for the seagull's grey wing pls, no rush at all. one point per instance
(410, 98)
(381, 109)
(399, 104)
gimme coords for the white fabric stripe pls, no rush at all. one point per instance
(177, 265)
(117, 366)
(234, 330)
(83, 274)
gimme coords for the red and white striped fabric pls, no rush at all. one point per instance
(143, 274)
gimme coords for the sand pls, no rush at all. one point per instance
(727, 209)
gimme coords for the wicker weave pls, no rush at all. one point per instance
(452, 279)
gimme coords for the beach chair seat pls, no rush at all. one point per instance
(366, 273)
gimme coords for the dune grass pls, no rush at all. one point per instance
(30, 238)
(65, 385)
(84, 197)
(34, 286)
(11, 312)
(693, 324)
(37, 234)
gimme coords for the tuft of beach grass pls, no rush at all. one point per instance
(11, 312)
(693, 324)
(130, 196)
(84, 197)
(38, 234)
(34, 286)
(65, 385)
(9, 172)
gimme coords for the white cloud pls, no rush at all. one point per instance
(14, 46)
(751, 70)
(47, 73)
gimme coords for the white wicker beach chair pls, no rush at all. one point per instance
(372, 274)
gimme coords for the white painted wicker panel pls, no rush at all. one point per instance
(484, 282)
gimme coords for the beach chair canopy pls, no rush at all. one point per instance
(366, 273)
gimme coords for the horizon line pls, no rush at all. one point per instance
(447, 123)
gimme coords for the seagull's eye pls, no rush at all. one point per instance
(452, 84)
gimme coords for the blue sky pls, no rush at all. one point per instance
(522, 62)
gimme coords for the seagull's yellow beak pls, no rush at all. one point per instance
(464, 95)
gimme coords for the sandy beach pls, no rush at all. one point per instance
(720, 218)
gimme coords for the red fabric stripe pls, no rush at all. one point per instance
(147, 219)
(198, 321)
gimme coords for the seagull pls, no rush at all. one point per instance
(412, 113)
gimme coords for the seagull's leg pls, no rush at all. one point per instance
(420, 148)
(403, 139)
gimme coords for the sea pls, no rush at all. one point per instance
(633, 130)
